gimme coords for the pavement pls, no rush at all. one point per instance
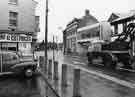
(96, 81)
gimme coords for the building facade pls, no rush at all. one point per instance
(64, 41)
(80, 33)
(70, 35)
(17, 24)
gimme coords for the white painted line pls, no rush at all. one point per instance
(4, 73)
(113, 79)
(127, 69)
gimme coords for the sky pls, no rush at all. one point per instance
(61, 12)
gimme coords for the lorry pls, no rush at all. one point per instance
(118, 52)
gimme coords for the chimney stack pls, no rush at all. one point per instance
(87, 13)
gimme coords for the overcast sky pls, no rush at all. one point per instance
(62, 12)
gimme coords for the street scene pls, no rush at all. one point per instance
(67, 48)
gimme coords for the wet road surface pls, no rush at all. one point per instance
(18, 86)
(97, 81)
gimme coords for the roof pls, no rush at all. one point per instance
(73, 21)
(35, 1)
(87, 20)
(112, 17)
(124, 16)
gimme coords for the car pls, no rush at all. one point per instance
(12, 62)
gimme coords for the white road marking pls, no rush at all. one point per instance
(127, 69)
(3, 73)
(113, 79)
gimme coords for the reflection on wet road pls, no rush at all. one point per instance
(18, 86)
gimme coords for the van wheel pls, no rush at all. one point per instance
(28, 72)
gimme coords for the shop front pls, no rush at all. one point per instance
(16, 42)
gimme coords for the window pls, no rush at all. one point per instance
(13, 23)
(13, 2)
(13, 19)
(13, 14)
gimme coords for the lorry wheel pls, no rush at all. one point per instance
(28, 72)
(107, 61)
(97, 60)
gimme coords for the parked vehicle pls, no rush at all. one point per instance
(12, 62)
(119, 51)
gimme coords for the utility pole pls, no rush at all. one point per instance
(53, 49)
(46, 33)
(57, 43)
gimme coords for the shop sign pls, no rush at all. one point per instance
(15, 38)
(2, 37)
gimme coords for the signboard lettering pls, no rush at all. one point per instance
(8, 37)
(24, 38)
(15, 38)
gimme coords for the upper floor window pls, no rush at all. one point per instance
(13, 1)
(13, 17)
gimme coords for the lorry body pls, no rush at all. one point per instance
(120, 51)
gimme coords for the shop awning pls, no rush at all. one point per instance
(123, 19)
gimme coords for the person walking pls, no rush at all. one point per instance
(89, 53)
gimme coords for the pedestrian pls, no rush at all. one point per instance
(89, 53)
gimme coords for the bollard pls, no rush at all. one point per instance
(41, 62)
(76, 83)
(50, 68)
(64, 75)
(55, 77)
(45, 66)
(38, 66)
